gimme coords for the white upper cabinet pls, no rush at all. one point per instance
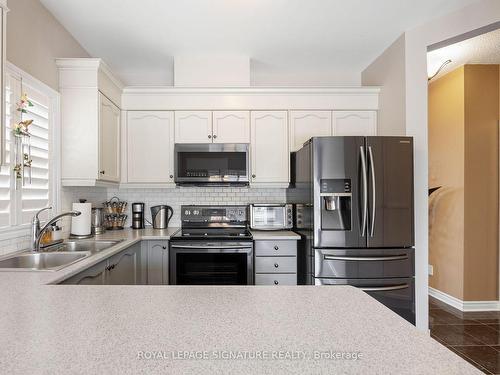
(307, 124)
(231, 127)
(269, 147)
(90, 122)
(109, 140)
(150, 147)
(193, 127)
(355, 123)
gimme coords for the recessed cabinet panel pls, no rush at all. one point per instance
(269, 147)
(95, 275)
(109, 140)
(193, 127)
(150, 146)
(357, 123)
(231, 127)
(307, 124)
(124, 267)
(157, 262)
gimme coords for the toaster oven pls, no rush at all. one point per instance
(271, 216)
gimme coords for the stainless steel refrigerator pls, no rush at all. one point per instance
(353, 200)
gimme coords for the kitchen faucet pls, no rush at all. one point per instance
(37, 232)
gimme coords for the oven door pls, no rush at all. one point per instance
(206, 263)
(211, 164)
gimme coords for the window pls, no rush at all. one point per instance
(19, 203)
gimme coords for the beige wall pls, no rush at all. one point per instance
(388, 71)
(463, 158)
(446, 169)
(35, 38)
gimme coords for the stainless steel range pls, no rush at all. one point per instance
(213, 247)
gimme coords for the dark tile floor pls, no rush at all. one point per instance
(474, 336)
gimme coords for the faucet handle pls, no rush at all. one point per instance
(40, 211)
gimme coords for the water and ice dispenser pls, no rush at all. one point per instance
(336, 203)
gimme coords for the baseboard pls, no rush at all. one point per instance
(464, 305)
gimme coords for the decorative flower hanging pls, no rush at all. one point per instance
(22, 141)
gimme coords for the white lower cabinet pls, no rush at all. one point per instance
(307, 124)
(157, 262)
(275, 262)
(269, 148)
(357, 123)
(150, 147)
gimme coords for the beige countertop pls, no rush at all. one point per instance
(274, 235)
(115, 329)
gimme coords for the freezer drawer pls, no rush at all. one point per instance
(363, 263)
(398, 294)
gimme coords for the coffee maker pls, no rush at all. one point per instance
(138, 218)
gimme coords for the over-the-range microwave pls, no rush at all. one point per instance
(213, 164)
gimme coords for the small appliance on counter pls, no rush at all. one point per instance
(271, 216)
(138, 215)
(161, 215)
(114, 214)
(81, 225)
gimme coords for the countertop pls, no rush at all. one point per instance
(274, 235)
(115, 329)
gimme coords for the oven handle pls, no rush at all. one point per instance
(211, 247)
(384, 288)
(395, 257)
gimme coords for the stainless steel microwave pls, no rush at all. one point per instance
(271, 216)
(211, 164)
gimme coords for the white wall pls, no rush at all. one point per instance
(417, 40)
(388, 71)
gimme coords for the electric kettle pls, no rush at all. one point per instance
(161, 215)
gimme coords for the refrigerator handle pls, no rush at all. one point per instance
(374, 195)
(365, 191)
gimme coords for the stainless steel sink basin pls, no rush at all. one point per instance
(92, 246)
(34, 261)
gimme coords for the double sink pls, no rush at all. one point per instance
(56, 258)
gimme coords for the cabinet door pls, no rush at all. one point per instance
(231, 127)
(95, 275)
(193, 127)
(150, 146)
(307, 124)
(157, 262)
(109, 140)
(269, 147)
(355, 123)
(124, 267)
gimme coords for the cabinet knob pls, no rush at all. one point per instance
(102, 172)
(171, 176)
(276, 247)
(209, 136)
(276, 282)
(276, 265)
(215, 136)
(164, 247)
(253, 176)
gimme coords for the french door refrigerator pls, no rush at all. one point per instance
(353, 199)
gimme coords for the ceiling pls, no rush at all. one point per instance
(482, 49)
(290, 42)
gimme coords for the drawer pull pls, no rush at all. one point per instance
(384, 288)
(276, 247)
(276, 265)
(164, 247)
(276, 282)
(396, 257)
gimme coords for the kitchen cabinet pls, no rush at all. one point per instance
(3, 28)
(150, 146)
(124, 268)
(307, 124)
(231, 127)
(193, 127)
(270, 158)
(157, 262)
(95, 275)
(109, 140)
(275, 262)
(347, 123)
(90, 123)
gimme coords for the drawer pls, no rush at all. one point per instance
(276, 279)
(275, 265)
(276, 248)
